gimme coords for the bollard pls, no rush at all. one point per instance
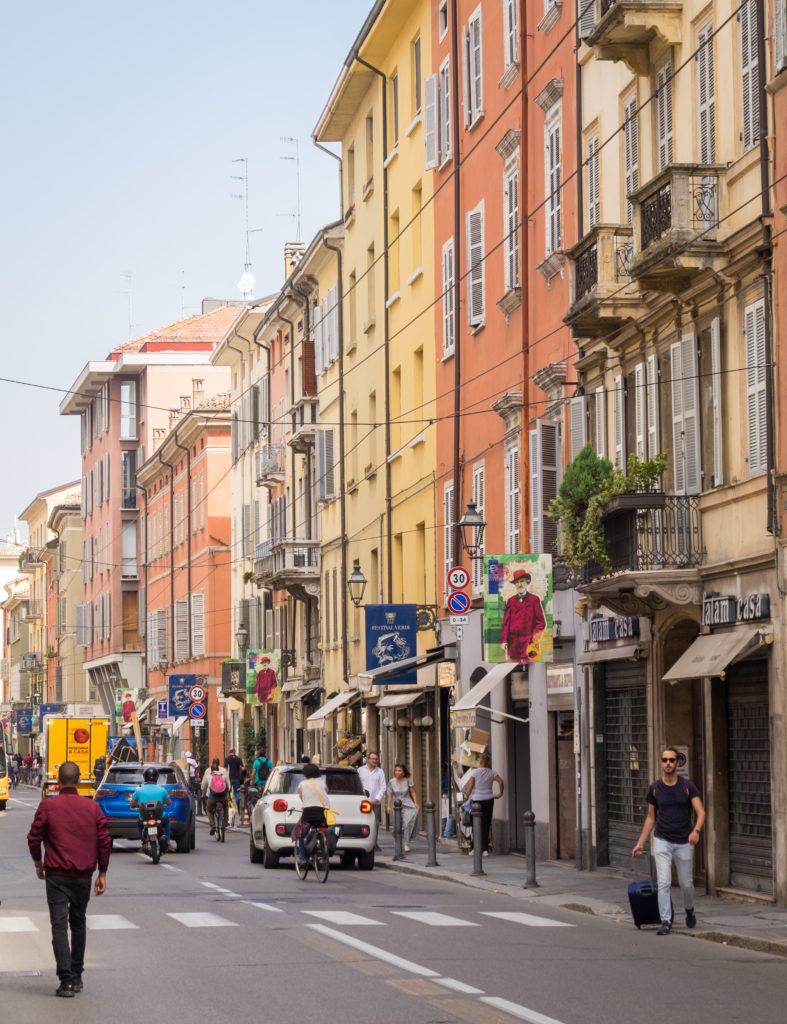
(478, 848)
(530, 850)
(398, 830)
(431, 834)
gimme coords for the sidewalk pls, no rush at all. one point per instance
(758, 925)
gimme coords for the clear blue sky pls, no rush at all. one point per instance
(119, 123)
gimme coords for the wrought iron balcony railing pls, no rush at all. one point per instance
(269, 463)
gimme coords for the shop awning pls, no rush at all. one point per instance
(178, 724)
(712, 653)
(316, 719)
(144, 706)
(625, 653)
(400, 700)
(298, 696)
(379, 675)
(495, 675)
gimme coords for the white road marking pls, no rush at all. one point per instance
(264, 906)
(529, 919)
(17, 924)
(203, 920)
(210, 885)
(522, 1012)
(459, 986)
(341, 917)
(435, 920)
(108, 922)
(373, 951)
(24, 803)
(171, 867)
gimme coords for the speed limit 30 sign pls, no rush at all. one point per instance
(197, 694)
(458, 578)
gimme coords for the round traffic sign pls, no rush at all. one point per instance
(458, 578)
(198, 710)
(197, 693)
(458, 602)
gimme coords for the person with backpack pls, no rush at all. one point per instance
(260, 769)
(216, 787)
(671, 800)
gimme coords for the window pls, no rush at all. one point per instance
(129, 549)
(415, 77)
(479, 497)
(448, 529)
(162, 635)
(756, 370)
(327, 606)
(750, 135)
(544, 471)
(415, 226)
(475, 262)
(431, 138)
(685, 416)
(394, 245)
(369, 136)
(444, 113)
(600, 408)
(442, 20)
(473, 69)
(335, 606)
(577, 424)
(711, 397)
(350, 176)
(640, 412)
(664, 115)
(706, 96)
(552, 179)
(511, 224)
(353, 309)
(370, 269)
(246, 538)
(511, 500)
(619, 421)
(128, 410)
(630, 151)
(510, 32)
(326, 480)
(181, 630)
(393, 112)
(594, 182)
(652, 405)
(197, 625)
(449, 313)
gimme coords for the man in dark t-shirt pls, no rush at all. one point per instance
(234, 766)
(670, 802)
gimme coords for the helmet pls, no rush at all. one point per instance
(150, 774)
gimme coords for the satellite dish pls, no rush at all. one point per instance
(247, 283)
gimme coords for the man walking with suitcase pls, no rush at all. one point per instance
(670, 803)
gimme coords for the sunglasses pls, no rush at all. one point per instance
(669, 760)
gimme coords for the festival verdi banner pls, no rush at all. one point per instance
(263, 676)
(391, 636)
(518, 608)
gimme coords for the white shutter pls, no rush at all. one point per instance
(640, 411)
(749, 70)
(330, 468)
(444, 105)
(479, 497)
(152, 638)
(465, 77)
(449, 320)
(586, 15)
(511, 225)
(317, 338)
(594, 184)
(511, 30)
(552, 174)
(631, 151)
(619, 417)
(181, 630)
(577, 419)
(601, 422)
(706, 96)
(161, 633)
(476, 83)
(320, 465)
(198, 625)
(80, 637)
(757, 414)
(265, 403)
(269, 627)
(431, 140)
(448, 530)
(89, 623)
(475, 262)
(780, 34)
(717, 399)
(676, 384)
(535, 492)
(654, 433)
(691, 416)
(333, 323)
(664, 115)
(246, 528)
(512, 508)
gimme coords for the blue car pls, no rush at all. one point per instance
(114, 799)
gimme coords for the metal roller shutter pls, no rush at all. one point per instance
(626, 719)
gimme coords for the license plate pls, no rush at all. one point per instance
(152, 832)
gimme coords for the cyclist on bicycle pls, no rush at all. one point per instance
(216, 787)
(314, 801)
(152, 793)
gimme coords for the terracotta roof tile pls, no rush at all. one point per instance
(200, 329)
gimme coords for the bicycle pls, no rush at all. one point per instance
(219, 827)
(318, 858)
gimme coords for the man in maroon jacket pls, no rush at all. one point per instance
(75, 837)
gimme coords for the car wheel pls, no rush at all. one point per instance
(193, 835)
(2, 805)
(183, 842)
(347, 860)
(366, 860)
(255, 855)
(270, 858)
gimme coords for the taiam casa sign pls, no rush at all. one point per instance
(720, 610)
(619, 627)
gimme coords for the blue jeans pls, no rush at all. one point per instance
(683, 854)
(236, 787)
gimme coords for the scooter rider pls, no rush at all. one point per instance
(152, 793)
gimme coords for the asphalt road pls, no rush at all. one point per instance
(211, 933)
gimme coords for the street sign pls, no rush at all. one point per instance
(198, 723)
(162, 710)
(458, 578)
(197, 710)
(197, 693)
(458, 602)
(460, 632)
(459, 620)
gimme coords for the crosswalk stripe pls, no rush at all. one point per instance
(435, 920)
(459, 986)
(17, 924)
(203, 920)
(108, 922)
(264, 906)
(529, 919)
(341, 917)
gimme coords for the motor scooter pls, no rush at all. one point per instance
(154, 841)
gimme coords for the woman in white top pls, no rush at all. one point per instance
(314, 800)
(480, 786)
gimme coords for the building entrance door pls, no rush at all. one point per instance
(565, 773)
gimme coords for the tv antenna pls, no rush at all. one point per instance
(247, 282)
(296, 159)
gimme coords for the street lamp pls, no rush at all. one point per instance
(472, 525)
(242, 637)
(356, 584)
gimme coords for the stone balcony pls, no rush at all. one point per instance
(269, 465)
(292, 565)
(602, 296)
(303, 417)
(625, 30)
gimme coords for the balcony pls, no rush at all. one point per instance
(292, 565)
(602, 297)
(29, 559)
(34, 611)
(269, 464)
(304, 416)
(676, 217)
(625, 30)
(31, 661)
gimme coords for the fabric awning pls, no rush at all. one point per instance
(383, 672)
(400, 700)
(712, 653)
(495, 675)
(298, 696)
(144, 706)
(178, 724)
(624, 653)
(316, 719)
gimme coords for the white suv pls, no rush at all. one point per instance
(279, 808)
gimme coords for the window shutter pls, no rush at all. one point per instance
(448, 530)
(754, 328)
(476, 84)
(161, 634)
(640, 411)
(198, 625)
(317, 337)
(246, 528)
(586, 15)
(749, 93)
(320, 466)
(80, 626)
(550, 477)
(511, 226)
(535, 492)
(330, 468)
(448, 298)
(479, 497)
(431, 141)
(780, 34)
(445, 141)
(511, 29)
(577, 419)
(676, 383)
(475, 260)
(716, 399)
(706, 96)
(511, 500)
(619, 416)
(265, 403)
(89, 623)
(465, 76)
(594, 185)
(333, 323)
(268, 627)
(691, 416)
(654, 434)
(664, 114)
(631, 151)
(106, 476)
(552, 182)
(181, 630)
(601, 422)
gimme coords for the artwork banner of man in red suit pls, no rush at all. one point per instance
(523, 621)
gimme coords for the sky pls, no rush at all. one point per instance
(119, 125)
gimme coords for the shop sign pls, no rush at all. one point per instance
(446, 673)
(618, 627)
(560, 678)
(720, 610)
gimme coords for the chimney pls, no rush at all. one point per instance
(292, 256)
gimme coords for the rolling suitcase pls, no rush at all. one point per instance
(643, 897)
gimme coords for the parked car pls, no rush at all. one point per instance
(279, 808)
(115, 795)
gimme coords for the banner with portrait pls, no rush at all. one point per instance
(263, 676)
(518, 608)
(125, 704)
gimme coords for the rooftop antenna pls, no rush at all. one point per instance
(296, 159)
(247, 282)
(129, 292)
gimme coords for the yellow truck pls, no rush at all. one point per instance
(81, 740)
